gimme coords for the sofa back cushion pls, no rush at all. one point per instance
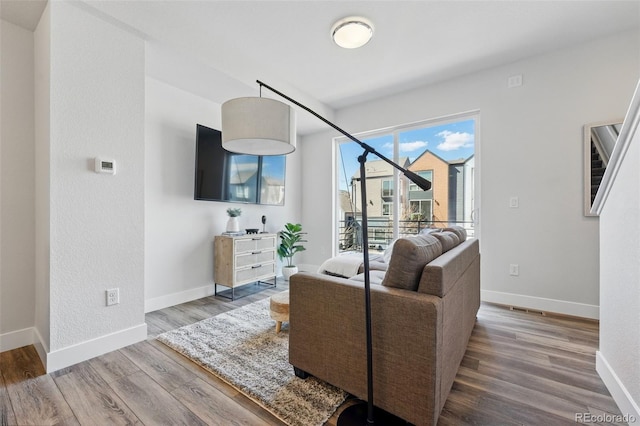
(448, 240)
(459, 231)
(408, 259)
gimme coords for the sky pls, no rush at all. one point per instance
(449, 141)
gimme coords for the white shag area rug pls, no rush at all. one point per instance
(242, 348)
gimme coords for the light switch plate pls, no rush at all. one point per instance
(514, 269)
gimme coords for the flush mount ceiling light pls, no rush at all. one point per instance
(352, 32)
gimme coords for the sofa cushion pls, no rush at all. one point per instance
(448, 240)
(377, 264)
(459, 231)
(375, 277)
(408, 259)
(386, 254)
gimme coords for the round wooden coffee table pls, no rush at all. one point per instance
(279, 308)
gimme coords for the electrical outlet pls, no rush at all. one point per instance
(514, 81)
(514, 269)
(113, 296)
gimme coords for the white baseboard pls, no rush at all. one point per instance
(542, 304)
(173, 299)
(17, 339)
(628, 407)
(92, 348)
(40, 345)
(25, 337)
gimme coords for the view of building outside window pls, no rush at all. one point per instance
(441, 153)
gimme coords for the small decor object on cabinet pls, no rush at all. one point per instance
(291, 237)
(232, 223)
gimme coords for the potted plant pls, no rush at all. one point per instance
(232, 223)
(291, 237)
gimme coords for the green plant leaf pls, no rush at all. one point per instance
(290, 239)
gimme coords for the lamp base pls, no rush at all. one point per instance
(356, 415)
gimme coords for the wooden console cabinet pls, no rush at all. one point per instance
(244, 259)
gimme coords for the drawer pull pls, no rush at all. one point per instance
(256, 266)
(256, 252)
(257, 238)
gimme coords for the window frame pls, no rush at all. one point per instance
(399, 180)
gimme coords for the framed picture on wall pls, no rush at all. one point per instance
(599, 141)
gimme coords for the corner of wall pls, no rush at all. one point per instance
(74, 354)
(628, 407)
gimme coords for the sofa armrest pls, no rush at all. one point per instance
(441, 274)
(327, 339)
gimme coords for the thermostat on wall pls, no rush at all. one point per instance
(105, 166)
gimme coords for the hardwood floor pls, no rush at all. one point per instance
(520, 368)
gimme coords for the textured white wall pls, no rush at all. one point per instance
(17, 277)
(97, 220)
(620, 276)
(179, 230)
(530, 147)
(42, 65)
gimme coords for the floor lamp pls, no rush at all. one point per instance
(263, 126)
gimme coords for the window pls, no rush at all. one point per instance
(387, 208)
(441, 151)
(428, 175)
(420, 210)
(242, 193)
(387, 188)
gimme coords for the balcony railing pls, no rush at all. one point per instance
(381, 232)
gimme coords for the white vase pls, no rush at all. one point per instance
(287, 271)
(233, 225)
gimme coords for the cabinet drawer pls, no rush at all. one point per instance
(252, 244)
(253, 258)
(255, 273)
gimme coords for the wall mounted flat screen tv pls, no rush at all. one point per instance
(221, 175)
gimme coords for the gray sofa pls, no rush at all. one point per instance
(423, 311)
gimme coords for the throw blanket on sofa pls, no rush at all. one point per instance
(345, 265)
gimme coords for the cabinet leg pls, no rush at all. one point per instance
(278, 326)
(300, 373)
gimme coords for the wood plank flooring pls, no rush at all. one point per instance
(520, 368)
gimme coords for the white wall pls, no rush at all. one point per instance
(617, 361)
(179, 230)
(42, 89)
(530, 147)
(96, 220)
(88, 82)
(17, 288)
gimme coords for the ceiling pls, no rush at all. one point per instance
(287, 43)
